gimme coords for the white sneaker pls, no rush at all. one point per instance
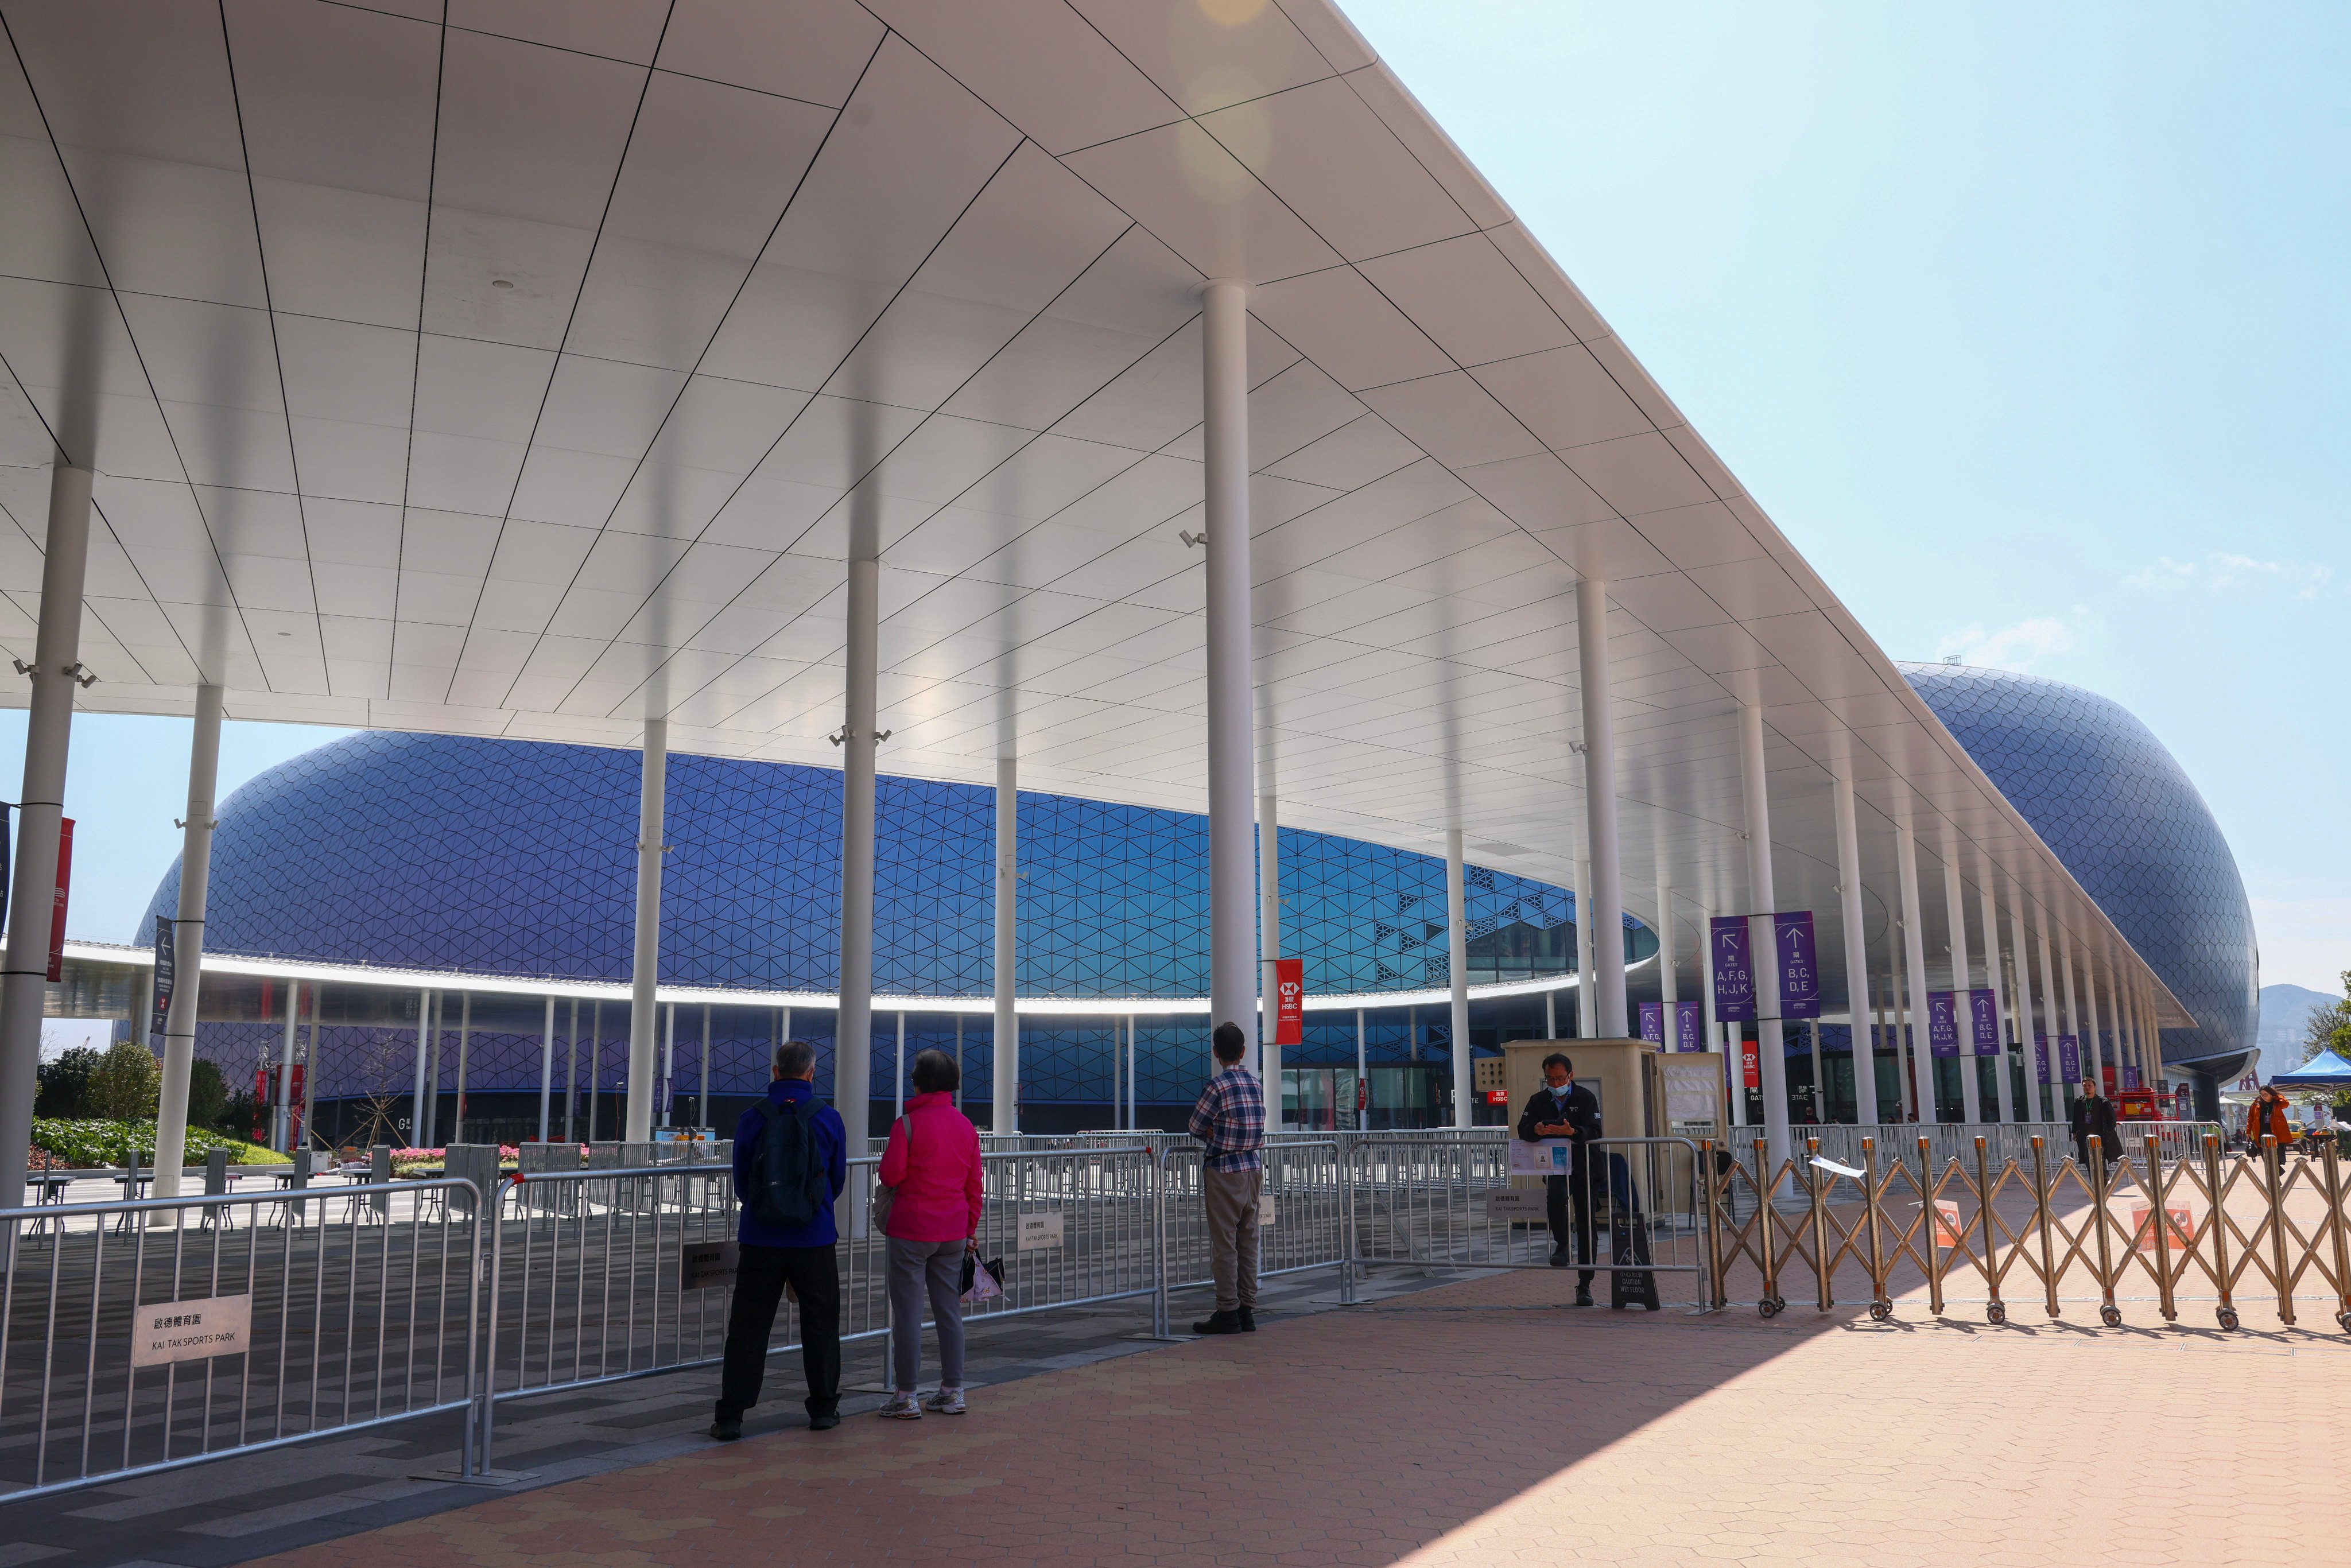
(900, 1406)
(946, 1402)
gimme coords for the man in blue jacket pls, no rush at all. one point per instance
(772, 1257)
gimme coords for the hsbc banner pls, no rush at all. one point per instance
(1734, 970)
(1983, 1014)
(1289, 1002)
(1942, 1024)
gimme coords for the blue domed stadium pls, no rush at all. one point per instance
(2121, 814)
(516, 859)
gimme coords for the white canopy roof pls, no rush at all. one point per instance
(518, 375)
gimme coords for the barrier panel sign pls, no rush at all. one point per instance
(1946, 1224)
(164, 1332)
(1550, 1156)
(705, 1265)
(2143, 1227)
(1039, 1232)
(1514, 1203)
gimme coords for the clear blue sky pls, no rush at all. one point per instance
(2028, 324)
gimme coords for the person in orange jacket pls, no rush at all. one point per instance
(2265, 1118)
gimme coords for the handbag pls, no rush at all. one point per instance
(885, 1196)
(982, 1282)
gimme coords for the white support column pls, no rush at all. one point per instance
(1269, 925)
(465, 1051)
(1668, 982)
(958, 1059)
(1363, 1076)
(1913, 1024)
(1820, 1079)
(898, 1077)
(1005, 1056)
(1954, 915)
(1232, 869)
(1856, 949)
(1457, 950)
(1762, 938)
(310, 1072)
(668, 1095)
(645, 973)
(546, 1067)
(2022, 1011)
(853, 1043)
(419, 1136)
(2082, 1072)
(2049, 1024)
(1133, 1101)
(2095, 1046)
(281, 1124)
(1551, 1015)
(1600, 807)
(49, 732)
(2001, 1075)
(572, 1074)
(1587, 985)
(702, 1099)
(187, 943)
(1897, 1012)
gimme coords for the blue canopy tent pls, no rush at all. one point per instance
(2325, 1071)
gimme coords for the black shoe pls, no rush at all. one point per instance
(1559, 1258)
(726, 1428)
(1219, 1322)
(1248, 1320)
(1584, 1295)
(825, 1421)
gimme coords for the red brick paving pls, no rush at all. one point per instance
(1478, 1424)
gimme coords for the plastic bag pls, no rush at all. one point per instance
(981, 1281)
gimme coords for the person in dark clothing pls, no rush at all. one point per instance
(1565, 1109)
(772, 1257)
(2093, 1116)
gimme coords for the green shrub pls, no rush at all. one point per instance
(84, 1143)
(123, 1085)
(63, 1088)
(207, 1094)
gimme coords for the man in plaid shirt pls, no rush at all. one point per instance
(1231, 1121)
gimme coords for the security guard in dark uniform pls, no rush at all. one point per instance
(1565, 1109)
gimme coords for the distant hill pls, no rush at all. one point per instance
(2284, 1008)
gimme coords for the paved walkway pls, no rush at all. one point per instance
(1484, 1422)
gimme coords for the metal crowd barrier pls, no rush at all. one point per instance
(2176, 1140)
(115, 1340)
(2200, 1225)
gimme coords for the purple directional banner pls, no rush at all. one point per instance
(1983, 1015)
(1734, 968)
(1942, 1024)
(1800, 973)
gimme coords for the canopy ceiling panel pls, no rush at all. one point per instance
(523, 374)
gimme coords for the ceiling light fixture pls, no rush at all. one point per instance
(502, 283)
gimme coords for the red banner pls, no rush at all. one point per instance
(1289, 1002)
(1750, 1058)
(57, 907)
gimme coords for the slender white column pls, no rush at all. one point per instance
(2073, 1013)
(1600, 806)
(282, 1124)
(419, 1136)
(2007, 1093)
(546, 1067)
(1456, 949)
(645, 973)
(669, 1065)
(2022, 1011)
(1232, 870)
(49, 732)
(572, 1074)
(187, 943)
(1897, 1012)
(1819, 1078)
(311, 1071)
(2049, 1024)
(2096, 1046)
(1133, 1099)
(853, 1045)
(1269, 925)
(1762, 938)
(1005, 1113)
(1954, 915)
(1914, 966)
(1856, 950)
(898, 1085)
(702, 1099)
(465, 1051)
(1551, 1015)
(1668, 983)
(1587, 985)
(1363, 1076)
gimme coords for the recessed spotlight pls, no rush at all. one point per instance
(285, 633)
(502, 283)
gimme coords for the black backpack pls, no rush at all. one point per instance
(788, 1181)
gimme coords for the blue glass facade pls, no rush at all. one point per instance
(2121, 814)
(510, 858)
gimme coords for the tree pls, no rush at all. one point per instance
(207, 1094)
(62, 1089)
(2329, 1028)
(122, 1086)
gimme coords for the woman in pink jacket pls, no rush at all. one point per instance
(932, 1165)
